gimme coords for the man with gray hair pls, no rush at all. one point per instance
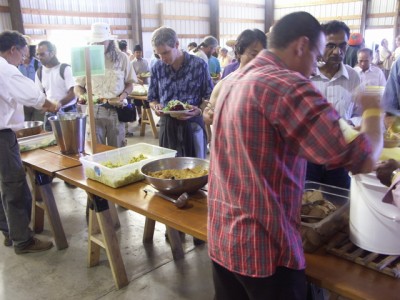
(177, 75)
(206, 48)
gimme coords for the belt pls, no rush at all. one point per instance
(6, 130)
(108, 106)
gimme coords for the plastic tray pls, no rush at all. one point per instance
(128, 172)
(36, 141)
(316, 234)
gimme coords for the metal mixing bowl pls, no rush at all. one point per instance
(176, 186)
(30, 128)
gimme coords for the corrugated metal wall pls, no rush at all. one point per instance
(346, 11)
(190, 18)
(237, 15)
(5, 19)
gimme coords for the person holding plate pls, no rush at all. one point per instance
(184, 77)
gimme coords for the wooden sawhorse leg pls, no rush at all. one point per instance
(102, 234)
(147, 118)
(37, 204)
(48, 205)
(173, 237)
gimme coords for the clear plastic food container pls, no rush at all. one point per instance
(124, 171)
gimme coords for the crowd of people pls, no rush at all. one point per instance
(290, 106)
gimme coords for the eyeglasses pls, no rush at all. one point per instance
(332, 46)
(22, 52)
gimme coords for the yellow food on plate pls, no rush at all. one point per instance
(179, 173)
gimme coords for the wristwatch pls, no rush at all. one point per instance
(394, 174)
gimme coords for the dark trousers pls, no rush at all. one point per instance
(336, 177)
(285, 284)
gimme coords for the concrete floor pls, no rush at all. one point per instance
(152, 272)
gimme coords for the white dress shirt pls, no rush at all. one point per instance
(16, 91)
(372, 77)
(339, 91)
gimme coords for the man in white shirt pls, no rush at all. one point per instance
(337, 82)
(370, 75)
(16, 91)
(55, 80)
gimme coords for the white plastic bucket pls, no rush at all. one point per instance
(374, 225)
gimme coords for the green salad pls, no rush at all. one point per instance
(176, 105)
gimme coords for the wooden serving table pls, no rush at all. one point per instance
(349, 279)
(147, 116)
(41, 167)
(191, 220)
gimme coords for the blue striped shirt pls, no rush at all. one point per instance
(190, 84)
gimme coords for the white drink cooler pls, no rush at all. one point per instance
(374, 225)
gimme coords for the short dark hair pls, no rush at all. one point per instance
(248, 37)
(293, 26)
(50, 46)
(192, 44)
(334, 27)
(366, 50)
(122, 45)
(11, 38)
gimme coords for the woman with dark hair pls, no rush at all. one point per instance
(248, 44)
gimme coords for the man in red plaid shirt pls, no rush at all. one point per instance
(268, 121)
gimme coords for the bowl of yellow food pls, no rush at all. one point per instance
(391, 140)
(177, 175)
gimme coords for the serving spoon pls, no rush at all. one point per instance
(180, 202)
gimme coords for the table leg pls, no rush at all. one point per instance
(108, 240)
(43, 183)
(175, 243)
(152, 124)
(54, 217)
(148, 232)
(37, 204)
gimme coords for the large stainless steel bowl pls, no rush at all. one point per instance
(30, 128)
(175, 186)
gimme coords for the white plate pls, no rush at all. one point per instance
(176, 112)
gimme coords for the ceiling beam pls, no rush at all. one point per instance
(269, 14)
(214, 18)
(364, 12)
(136, 21)
(16, 16)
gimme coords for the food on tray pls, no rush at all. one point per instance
(145, 74)
(391, 139)
(320, 218)
(110, 164)
(110, 181)
(314, 205)
(176, 105)
(140, 90)
(179, 173)
(83, 99)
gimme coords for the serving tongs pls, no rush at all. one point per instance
(180, 202)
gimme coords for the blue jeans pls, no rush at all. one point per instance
(15, 211)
